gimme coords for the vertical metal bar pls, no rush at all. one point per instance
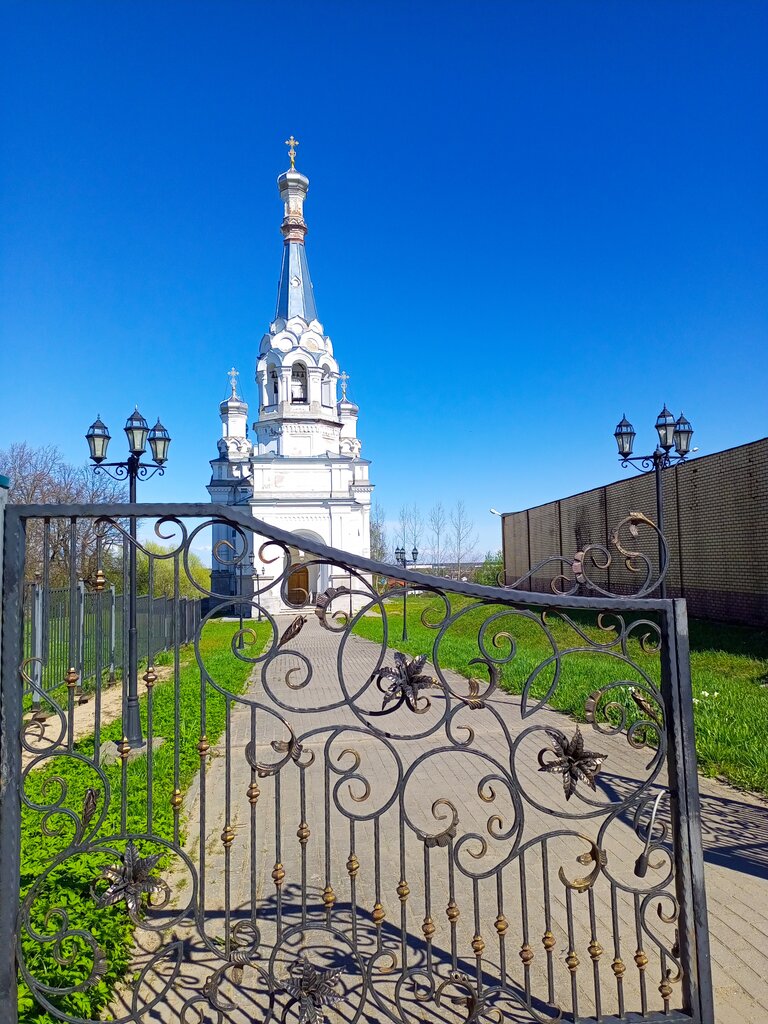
(99, 661)
(278, 872)
(36, 647)
(46, 585)
(452, 910)
(428, 927)
(353, 866)
(177, 714)
(132, 725)
(686, 814)
(10, 758)
(618, 966)
(112, 616)
(253, 798)
(227, 835)
(81, 629)
(526, 953)
(641, 959)
(659, 471)
(501, 927)
(548, 939)
(595, 952)
(303, 837)
(149, 679)
(679, 532)
(572, 960)
(73, 647)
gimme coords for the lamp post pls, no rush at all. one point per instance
(402, 560)
(673, 433)
(138, 433)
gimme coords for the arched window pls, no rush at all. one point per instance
(272, 393)
(326, 387)
(299, 383)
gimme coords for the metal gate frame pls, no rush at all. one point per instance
(675, 689)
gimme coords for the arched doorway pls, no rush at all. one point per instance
(298, 585)
(305, 582)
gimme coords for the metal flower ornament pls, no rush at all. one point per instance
(405, 680)
(571, 760)
(130, 880)
(313, 989)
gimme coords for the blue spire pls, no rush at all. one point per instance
(295, 295)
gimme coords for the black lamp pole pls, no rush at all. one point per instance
(402, 560)
(672, 433)
(138, 433)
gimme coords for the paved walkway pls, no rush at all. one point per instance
(302, 848)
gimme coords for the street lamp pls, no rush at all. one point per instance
(138, 434)
(673, 433)
(402, 560)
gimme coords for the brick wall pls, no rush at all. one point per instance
(716, 527)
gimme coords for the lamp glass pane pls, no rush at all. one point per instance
(665, 427)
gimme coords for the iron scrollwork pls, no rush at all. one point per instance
(392, 799)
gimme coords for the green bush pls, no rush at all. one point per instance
(68, 886)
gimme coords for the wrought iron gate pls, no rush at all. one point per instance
(326, 822)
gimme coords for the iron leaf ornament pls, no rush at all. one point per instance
(293, 630)
(570, 760)
(131, 879)
(312, 988)
(405, 681)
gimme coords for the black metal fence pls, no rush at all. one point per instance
(85, 630)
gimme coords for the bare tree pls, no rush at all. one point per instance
(410, 527)
(379, 540)
(438, 522)
(462, 536)
(40, 476)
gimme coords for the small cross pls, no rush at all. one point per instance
(233, 374)
(343, 377)
(293, 143)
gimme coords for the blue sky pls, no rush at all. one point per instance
(525, 219)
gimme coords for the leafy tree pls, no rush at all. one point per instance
(488, 573)
(163, 572)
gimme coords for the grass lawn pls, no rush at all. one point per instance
(68, 885)
(729, 671)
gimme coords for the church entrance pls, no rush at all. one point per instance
(298, 585)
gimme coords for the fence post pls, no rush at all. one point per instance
(112, 633)
(36, 645)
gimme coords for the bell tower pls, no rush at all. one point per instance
(303, 467)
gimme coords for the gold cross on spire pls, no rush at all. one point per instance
(233, 374)
(293, 143)
(344, 378)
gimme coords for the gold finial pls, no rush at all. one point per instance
(293, 143)
(344, 378)
(233, 374)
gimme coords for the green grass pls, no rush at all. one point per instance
(729, 671)
(68, 885)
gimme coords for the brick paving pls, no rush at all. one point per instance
(330, 819)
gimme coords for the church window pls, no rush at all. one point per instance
(298, 383)
(326, 388)
(273, 387)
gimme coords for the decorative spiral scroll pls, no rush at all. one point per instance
(576, 570)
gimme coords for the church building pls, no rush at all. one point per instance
(302, 469)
